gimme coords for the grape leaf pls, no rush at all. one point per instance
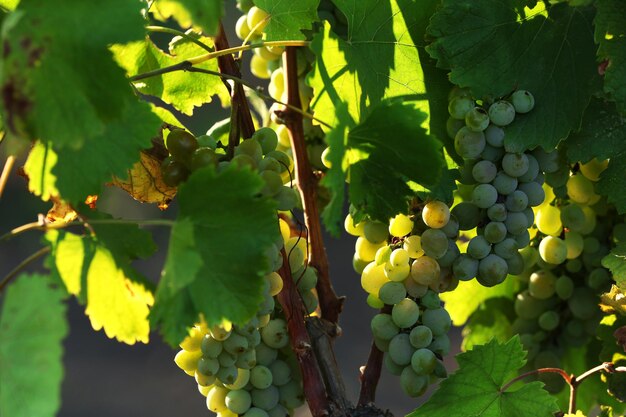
(201, 14)
(613, 301)
(475, 389)
(63, 85)
(491, 320)
(217, 251)
(610, 35)
(493, 50)
(288, 18)
(469, 296)
(97, 270)
(603, 136)
(616, 263)
(32, 327)
(378, 59)
(182, 89)
(76, 173)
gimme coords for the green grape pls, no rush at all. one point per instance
(391, 366)
(450, 256)
(468, 144)
(542, 285)
(203, 157)
(440, 345)
(492, 270)
(266, 138)
(270, 164)
(484, 195)
(590, 221)
(423, 361)
(459, 92)
(243, 377)
(501, 113)
(452, 228)
(425, 270)
(467, 214)
(548, 161)
(522, 239)
(216, 399)
(515, 164)
(516, 201)
(516, 223)
(181, 145)
(259, 67)
(367, 250)
(575, 244)
(399, 257)
(354, 229)
(453, 125)
(523, 101)
(553, 250)
(436, 214)
(401, 225)
(528, 307)
(564, 287)
(238, 401)
(504, 183)
(208, 366)
(494, 136)
(413, 384)
(434, 243)
(283, 159)
(413, 246)
(405, 313)
(548, 220)
(465, 267)
(266, 398)
(534, 192)
(204, 382)
(374, 301)
(375, 232)
(392, 292)
(252, 148)
(265, 355)
(532, 171)
(494, 232)
(261, 377)
(210, 347)
(242, 30)
(459, 106)
(310, 301)
(254, 411)
(477, 119)
(438, 320)
(400, 349)
(580, 189)
(414, 289)
(273, 183)
(291, 395)
(174, 173)
(383, 255)
(307, 280)
(497, 212)
(227, 374)
(188, 361)
(598, 278)
(515, 264)
(506, 249)
(240, 161)
(257, 20)
(421, 336)
(274, 334)
(484, 171)
(281, 372)
(478, 247)
(278, 411)
(383, 326)
(287, 198)
(558, 178)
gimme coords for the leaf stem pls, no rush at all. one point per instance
(6, 171)
(162, 29)
(15, 271)
(219, 52)
(330, 304)
(565, 375)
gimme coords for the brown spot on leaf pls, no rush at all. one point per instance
(15, 104)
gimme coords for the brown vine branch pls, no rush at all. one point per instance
(371, 373)
(15, 271)
(289, 299)
(330, 304)
(241, 118)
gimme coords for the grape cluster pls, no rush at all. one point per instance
(504, 186)
(404, 265)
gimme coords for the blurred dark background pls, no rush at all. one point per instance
(104, 378)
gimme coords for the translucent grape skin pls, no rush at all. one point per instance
(436, 214)
(468, 144)
(492, 270)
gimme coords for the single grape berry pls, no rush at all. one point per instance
(501, 113)
(523, 101)
(477, 119)
(181, 145)
(174, 173)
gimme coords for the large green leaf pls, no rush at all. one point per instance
(217, 252)
(32, 327)
(610, 34)
(200, 14)
(616, 263)
(181, 89)
(492, 49)
(61, 84)
(97, 270)
(288, 18)
(492, 320)
(378, 59)
(475, 389)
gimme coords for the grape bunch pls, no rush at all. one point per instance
(404, 265)
(503, 186)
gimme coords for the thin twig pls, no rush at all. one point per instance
(8, 277)
(161, 29)
(330, 304)
(565, 375)
(8, 167)
(371, 374)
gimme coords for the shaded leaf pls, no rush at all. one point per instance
(616, 263)
(288, 18)
(202, 14)
(610, 35)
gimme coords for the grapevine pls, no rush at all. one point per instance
(471, 154)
